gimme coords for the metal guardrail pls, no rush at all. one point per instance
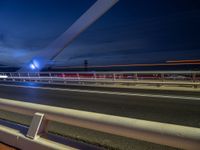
(155, 132)
(179, 78)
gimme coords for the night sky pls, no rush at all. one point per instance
(133, 31)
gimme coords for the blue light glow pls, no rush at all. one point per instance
(36, 64)
(32, 66)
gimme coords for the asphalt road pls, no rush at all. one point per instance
(170, 107)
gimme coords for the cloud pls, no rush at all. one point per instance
(16, 57)
(144, 40)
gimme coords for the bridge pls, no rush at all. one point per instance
(156, 107)
(97, 110)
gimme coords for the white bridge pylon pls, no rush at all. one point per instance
(99, 8)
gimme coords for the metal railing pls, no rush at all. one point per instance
(183, 78)
(155, 132)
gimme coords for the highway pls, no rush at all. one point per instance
(174, 107)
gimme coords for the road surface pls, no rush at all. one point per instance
(170, 107)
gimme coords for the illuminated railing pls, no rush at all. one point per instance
(185, 78)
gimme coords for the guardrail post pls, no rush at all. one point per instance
(49, 81)
(11, 77)
(194, 77)
(95, 77)
(114, 78)
(194, 80)
(136, 76)
(65, 78)
(162, 77)
(39, 76)
(38, 126)
(19, 76)
(78, 76)
(29, 77)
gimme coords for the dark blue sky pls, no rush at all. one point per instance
(144, 31)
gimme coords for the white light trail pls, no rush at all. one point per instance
(3, 76)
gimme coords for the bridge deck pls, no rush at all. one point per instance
(175, 107)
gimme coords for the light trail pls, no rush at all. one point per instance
(184, 61)
(131, 65)
(3, 76)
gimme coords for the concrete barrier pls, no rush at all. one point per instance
(155, 132)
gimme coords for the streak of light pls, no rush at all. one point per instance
(132, 65)
(184, 61)
(3, 76)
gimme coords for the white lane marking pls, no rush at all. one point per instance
(109, 93)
